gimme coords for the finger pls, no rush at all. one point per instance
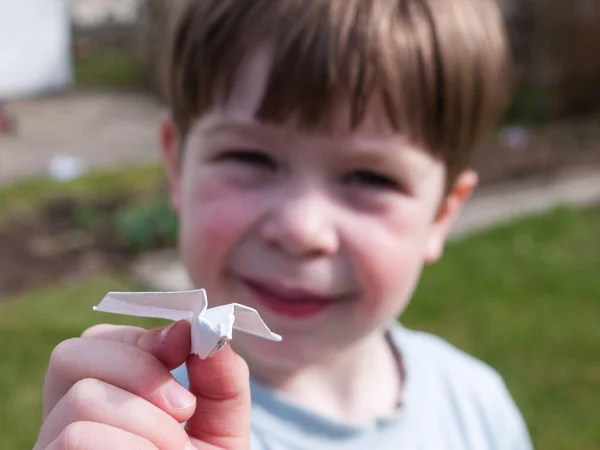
(169, 344)
(221, 385)
(92, 400)
(117, 333)
(121, 365)
(96, 436)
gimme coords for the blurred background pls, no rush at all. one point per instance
(83, 208)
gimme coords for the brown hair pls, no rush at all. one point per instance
(440, 66)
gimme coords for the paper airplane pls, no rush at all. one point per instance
(211, 328)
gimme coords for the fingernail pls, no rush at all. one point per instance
(190, 446)
(179, 397)
(164, 334)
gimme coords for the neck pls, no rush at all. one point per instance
(357, 385)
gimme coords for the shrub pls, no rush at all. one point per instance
(151, 224)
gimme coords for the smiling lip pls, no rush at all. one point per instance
(293, 303)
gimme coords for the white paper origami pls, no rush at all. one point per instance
(211, 328)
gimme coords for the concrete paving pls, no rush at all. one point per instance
(578, 187)
(103, 129)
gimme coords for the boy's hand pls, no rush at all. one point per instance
(112, 389)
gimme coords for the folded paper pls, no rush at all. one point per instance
(211, 329)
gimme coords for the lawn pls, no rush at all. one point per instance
(108, 67)
(30, 194)
(523, 297)
(30, 326)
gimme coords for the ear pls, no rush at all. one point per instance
(451, 207)
(170, 141)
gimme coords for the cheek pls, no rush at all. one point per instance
(214, 217)
(390, 260)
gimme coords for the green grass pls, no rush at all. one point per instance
(30, 327)
(112, 68)
(28, 195)
(528, 106)
(523, 298)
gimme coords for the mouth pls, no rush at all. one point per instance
(295, 303)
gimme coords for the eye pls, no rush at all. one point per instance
(248, 157)
(372, 180)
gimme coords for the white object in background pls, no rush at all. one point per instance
(66, 168)
(35, 47)
(211, 328)
(515, 137)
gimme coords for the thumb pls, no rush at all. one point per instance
(221, 385)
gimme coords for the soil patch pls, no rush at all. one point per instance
(64, 240)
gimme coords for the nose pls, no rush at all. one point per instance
(302, 225)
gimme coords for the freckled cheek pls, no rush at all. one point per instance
(215, 217)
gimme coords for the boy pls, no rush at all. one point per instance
(318, 153)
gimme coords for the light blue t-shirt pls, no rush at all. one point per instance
(450, 401)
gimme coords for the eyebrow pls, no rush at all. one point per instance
(371, 149)
(219, 127)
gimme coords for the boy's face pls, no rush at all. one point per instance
(325, 234)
